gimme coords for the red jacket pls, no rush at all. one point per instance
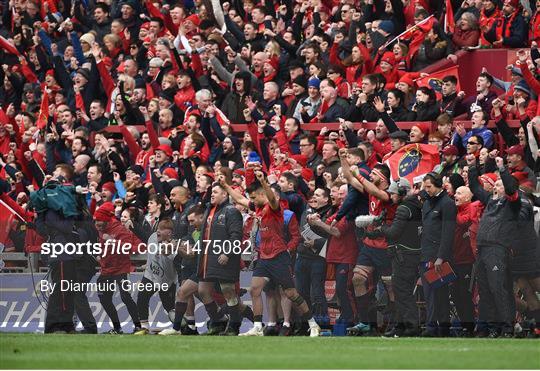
(468, 217)
(115, 263)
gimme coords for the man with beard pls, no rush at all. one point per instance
(274, 262)
(404, 243)
(495, 239)
(231, 156)
(79, 146)
(373, 261)
(310, 266)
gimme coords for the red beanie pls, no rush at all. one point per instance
(424, 127)
(105, 213)
(50, 73)
(109, 186)
(274, 62)
(171, 173)
(513, 3)
(301, 159)
(489, 178)
(389, 58)
(406, 79)
(194, 19)
(146, 25)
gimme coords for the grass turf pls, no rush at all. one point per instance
(26, 351)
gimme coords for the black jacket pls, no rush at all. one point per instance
(439, 223)
(500, 222)
(405, 228)
(225, 230)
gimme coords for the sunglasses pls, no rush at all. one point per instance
(471, 143)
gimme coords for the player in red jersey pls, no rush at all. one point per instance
(373, 260)
(274, 262)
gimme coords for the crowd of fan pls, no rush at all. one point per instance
(189, 72)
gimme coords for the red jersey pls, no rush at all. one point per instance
(376, 207)
(342, 249)
(271, 230)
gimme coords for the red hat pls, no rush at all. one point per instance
(513, 3)
(50, 73)
(165, 148)
(489, 178)
(516, 150)
(301, 159)
(424, 127)
(406, 79)
(450, 150)
(210, 174)
(171, 173)
(307, 174)
(389, 58)
(146, 25)
(109, 186)
(194, 19)
(274, 62)
(239, 172)
(105, 213)
(121, 68)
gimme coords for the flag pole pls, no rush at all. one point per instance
(404, 32)
(10, 209)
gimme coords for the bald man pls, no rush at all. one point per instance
(464, 256)
(80, 164)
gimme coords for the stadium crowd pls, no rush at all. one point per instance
(119, 120)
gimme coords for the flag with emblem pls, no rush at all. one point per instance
(413, 160)
(434, 80)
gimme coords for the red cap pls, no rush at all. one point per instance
(105, 213)
(194, 19)
(146, 25)
(489, 178)
(50, 73)
(516, 150)
(406, 79)
(109, 186)
(389, 58)
(301, 159)
(424, 127)
(165, 148)
(450, 150)
(171, 173)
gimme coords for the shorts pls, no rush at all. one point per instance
(376, 258)
(188, 272)
(278, 269)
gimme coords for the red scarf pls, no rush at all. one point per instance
(502, 33)
(486, 22)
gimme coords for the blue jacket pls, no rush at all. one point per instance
(485, 133)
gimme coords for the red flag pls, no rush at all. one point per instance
(417, 35)
(449, 23)
(434, 80)
(6, 220)
(8, 47)
(43, 116)
(413, 160)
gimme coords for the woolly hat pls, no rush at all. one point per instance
(314, 82)
(424, 127)
(489, 178)
(387, 26)
(389, 58)
(88, 38)
(301, 81)
(109, 186)
(406, 80)
(450, 150)
(301, 159)
(104, 213)
(84, 73)
(171, 173)
(274, 62)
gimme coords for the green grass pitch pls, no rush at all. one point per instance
(26, 351)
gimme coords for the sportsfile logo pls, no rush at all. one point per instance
(109, 247)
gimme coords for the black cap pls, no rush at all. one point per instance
(137, 169)
(301, 80)
(168, 94)
(400, 134)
